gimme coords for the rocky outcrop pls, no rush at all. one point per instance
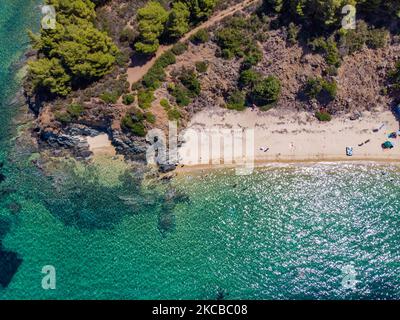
(166, 167)
(133, 148)
(58, 140)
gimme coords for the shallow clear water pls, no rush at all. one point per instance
(282, 233)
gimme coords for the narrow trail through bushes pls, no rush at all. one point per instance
(140, 68)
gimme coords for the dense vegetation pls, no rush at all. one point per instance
(187, 88)
(153, 80)
(236, 101)
(261, 91)
(328, 14)
(155, 22)
(72, 55)
(136, 120)
(238, 39)
(73, 112)
(152, 19)
(320, 89)
(79, 52)
(173, 113)
(318, 24)
(200, 36)
(323, 116)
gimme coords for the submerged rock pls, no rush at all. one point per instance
(14, 207)
(168, 167)
(9, 264)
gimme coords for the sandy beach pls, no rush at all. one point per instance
(292, 137)
(277, 136)
(101, 145)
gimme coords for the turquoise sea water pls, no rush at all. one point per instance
(284, 232)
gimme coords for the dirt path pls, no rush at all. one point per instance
(137, 72)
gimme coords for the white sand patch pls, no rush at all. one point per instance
(101, 145)
(295, 136)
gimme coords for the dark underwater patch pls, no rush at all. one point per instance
(166, 216)
(86, 203)
(9, 264)
(9, 261)
(5, 226)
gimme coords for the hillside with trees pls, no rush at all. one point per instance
(282, 54)
(73, 54)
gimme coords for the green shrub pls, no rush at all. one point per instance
(154, 77)
(127, 35)
(292, 33)
(145, 98)
(138, 129)
(137, 86)
(63, 117)
(75, 110)
(266, 91)
(248, 78)
(332, 55)
(200, 9)
(181, 95)
(253, 56)
(318, 45)
(171, 86)
(76, 53)
(317, 88)
(128, 99)
(179, 48)
(200, 36)
(377, 38)
(122, 58)
(330, 87)
(239, 22)
(189, 79)
(109, 97)
(394, 76)
(166, 59)
(230, 40)
(313, 88)
(227, 54)
(178, 20)
(236, 101)
(201, 66)
(328, 48)
(165, 103)
(173, 114)
(151, 118)
(354, 40)
(133, 121)
(331, 71)
(323, 116)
